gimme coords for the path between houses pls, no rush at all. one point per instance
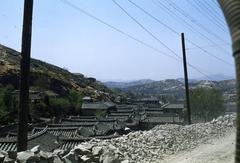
(217, 151)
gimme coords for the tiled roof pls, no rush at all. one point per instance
(46, 140)
(174, 106)
(97, 105)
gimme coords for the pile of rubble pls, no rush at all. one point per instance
(143, 146)
(30, 156)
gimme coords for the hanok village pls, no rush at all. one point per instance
(98, 119)
(49, 114)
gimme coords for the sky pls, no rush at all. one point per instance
(64, 36)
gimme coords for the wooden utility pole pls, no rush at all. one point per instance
(23, 111)
(186, 79)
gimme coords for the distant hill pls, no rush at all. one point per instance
(176, 88)
(112, 84)
(189, 80)
(47, 77)
(217, 77)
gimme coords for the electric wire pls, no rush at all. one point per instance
(215, 11)
(127, 35)
(172, 30)
(151, 34)
(182, 12)
(161, 5)
(115, 28)
(208, 14)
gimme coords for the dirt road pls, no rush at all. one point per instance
(217, 151)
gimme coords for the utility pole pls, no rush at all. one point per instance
(186, 79)
(23, 111)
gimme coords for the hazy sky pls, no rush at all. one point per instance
(67, 38)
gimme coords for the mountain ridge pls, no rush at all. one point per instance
(45, 76)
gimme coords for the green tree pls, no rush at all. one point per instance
(39, 110)
(206, 103)
(8, 103)
(75, 100)
(60, 106)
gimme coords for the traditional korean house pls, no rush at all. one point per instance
(87, 99)
(34, 96)
(174, 108)
(97, 108)
(46, 140)
(149, 102)
(149, 120)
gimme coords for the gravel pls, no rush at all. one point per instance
(140, 146)
(163, 140)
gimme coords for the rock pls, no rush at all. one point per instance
(81, 150)
(3, 154)
(57, 160)
(1, 157)
(46, 155)
(88, 146)
(96, 151)
(86, 159)
(109, 158)
(12, 154)
(139, 146)
(71, 158)
(35, 149)
(27, 156)
(8, 160)
(59, 152)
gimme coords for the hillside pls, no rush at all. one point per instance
(111, 84)
(47, 77)
(174, 87)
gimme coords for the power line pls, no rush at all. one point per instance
(204, 5)
(151, 34)
(171, 29)
(204, 9)
(127, 35)
(187, 24)
(115, 28)
(208, 14)
(216, 3)
(208, 46)
(145, 29)
(210, 53)
(143, 43)
(160, 5)
(182, 12)
(216, 12)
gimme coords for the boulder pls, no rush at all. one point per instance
(27, 156)
(87, 159)
(35, 149)
(8, 160)
(57, 160)
(96, 151)
(81, 150)
(109, 158)
(3, 154)
(59, 152)
(46, 155)
(71, 158)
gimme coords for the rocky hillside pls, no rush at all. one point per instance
(47, 77)
(175, 87)
(111, 84)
